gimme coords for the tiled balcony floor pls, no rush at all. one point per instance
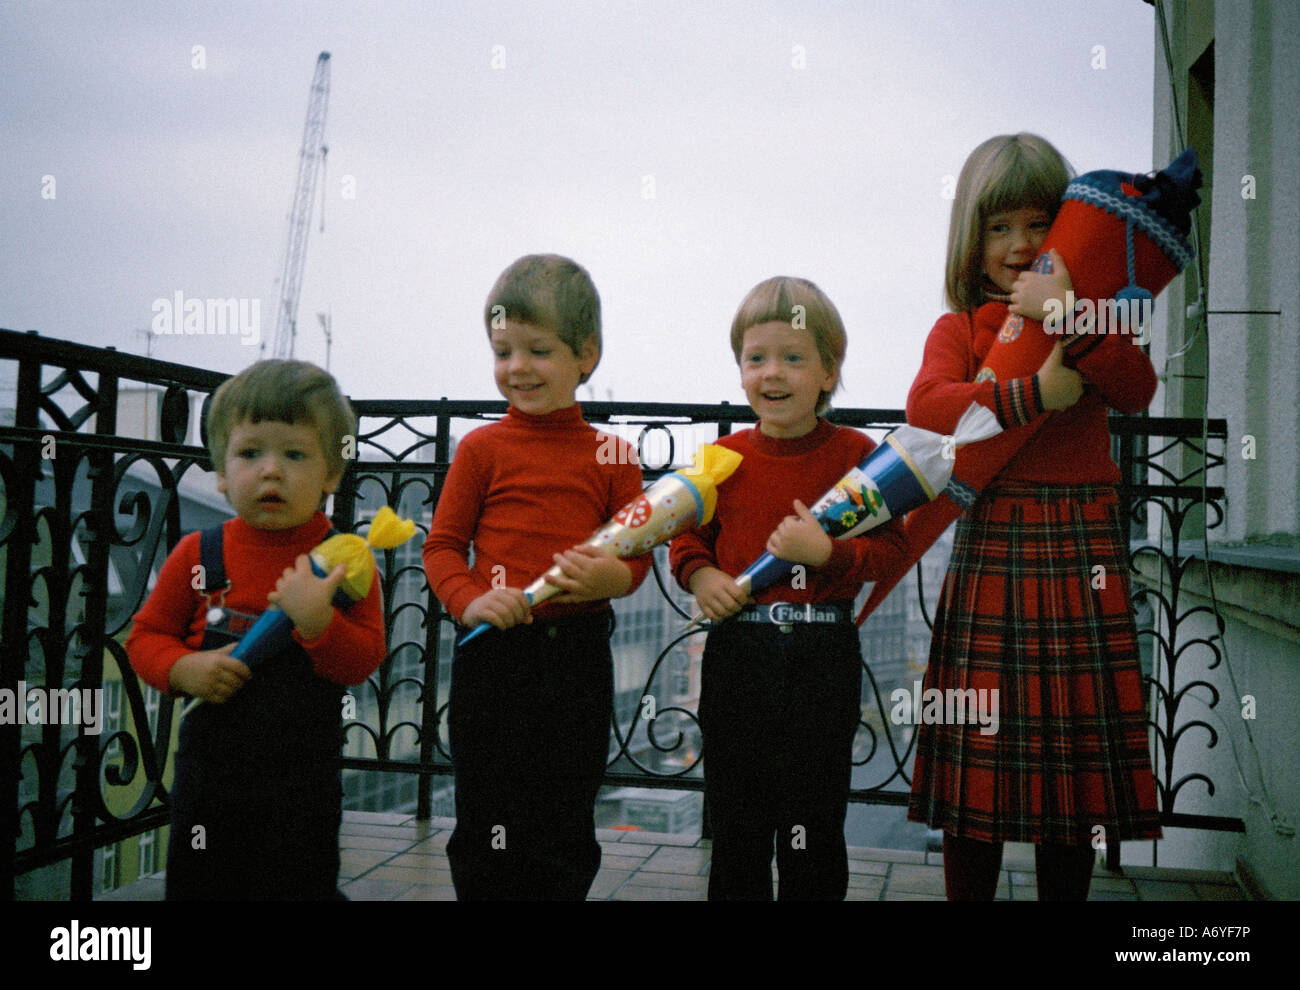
(394, 857)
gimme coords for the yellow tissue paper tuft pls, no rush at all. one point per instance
(388, 531)
(713, 465)
(354, 553)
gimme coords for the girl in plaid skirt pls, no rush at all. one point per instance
(1035, 605)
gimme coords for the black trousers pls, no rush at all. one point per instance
(528, 722)
(257, 798)
(251, 835)
(778, 711)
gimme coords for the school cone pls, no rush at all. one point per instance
(1123, 238)
(910, 467)
(273, 629)
(675, 503)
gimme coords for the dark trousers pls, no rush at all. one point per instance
(257, 798)
(245, 836)
(778, 711)
(528, 722)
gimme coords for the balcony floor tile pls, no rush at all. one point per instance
(393, 857)
(870, 867)
(869, 891)
(641, 892)
(421, 861)
(434, 844)
(408, 874)
(1218, 892)
(381, 831)
(430, 892)
(916, 879)
(889, 855)
(355, 862)
(380, 817)
(368, 889)
(607, 882)
(1158, 890)
(671, 859)
(629, 863)
(628, 849)
(659, 838)
(347, 841)
(672, 881)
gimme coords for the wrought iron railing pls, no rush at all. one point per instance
(87, 514)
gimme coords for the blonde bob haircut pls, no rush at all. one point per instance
(800, 303)
(551, 292)
(1008, 172)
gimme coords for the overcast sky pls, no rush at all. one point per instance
(681, 152)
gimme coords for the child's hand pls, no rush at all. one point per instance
(589, 574)
(500, 607)
(1032, 290)
(1059, 386)
(213, 675)
(717, 594)
(307, 599)
(800, 539)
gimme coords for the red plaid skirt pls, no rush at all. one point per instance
(1020, 614)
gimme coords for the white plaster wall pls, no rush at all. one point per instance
(1255, 262)
(1254, 382)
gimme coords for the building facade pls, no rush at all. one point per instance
(1226, 342)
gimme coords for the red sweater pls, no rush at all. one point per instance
(521, 489)
(761, 492)
(172, 621)
(1073, 446)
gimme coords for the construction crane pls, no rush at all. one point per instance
(310, 159)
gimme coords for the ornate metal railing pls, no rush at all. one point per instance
(88, 512)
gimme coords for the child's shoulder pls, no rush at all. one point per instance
(826, 434)
(850, 436)
(741, 440)
(953, 324)
(566, 444)
(237, 536)
(563, 428)
(967, 324)
(188, 545)
(486, 433)
(842, 444)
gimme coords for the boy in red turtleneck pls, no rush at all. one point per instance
(780, 694)
(257, 798)
(532, 700)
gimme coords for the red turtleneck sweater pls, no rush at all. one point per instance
(172, 621)
(761, 492)
(520, 490)
(1073, 445)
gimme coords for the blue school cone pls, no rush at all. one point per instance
(910, 467)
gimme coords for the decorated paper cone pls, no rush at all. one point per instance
(1101, 214)
(272, 630)
(1122, 237)
(674, 504)
(910, 467)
